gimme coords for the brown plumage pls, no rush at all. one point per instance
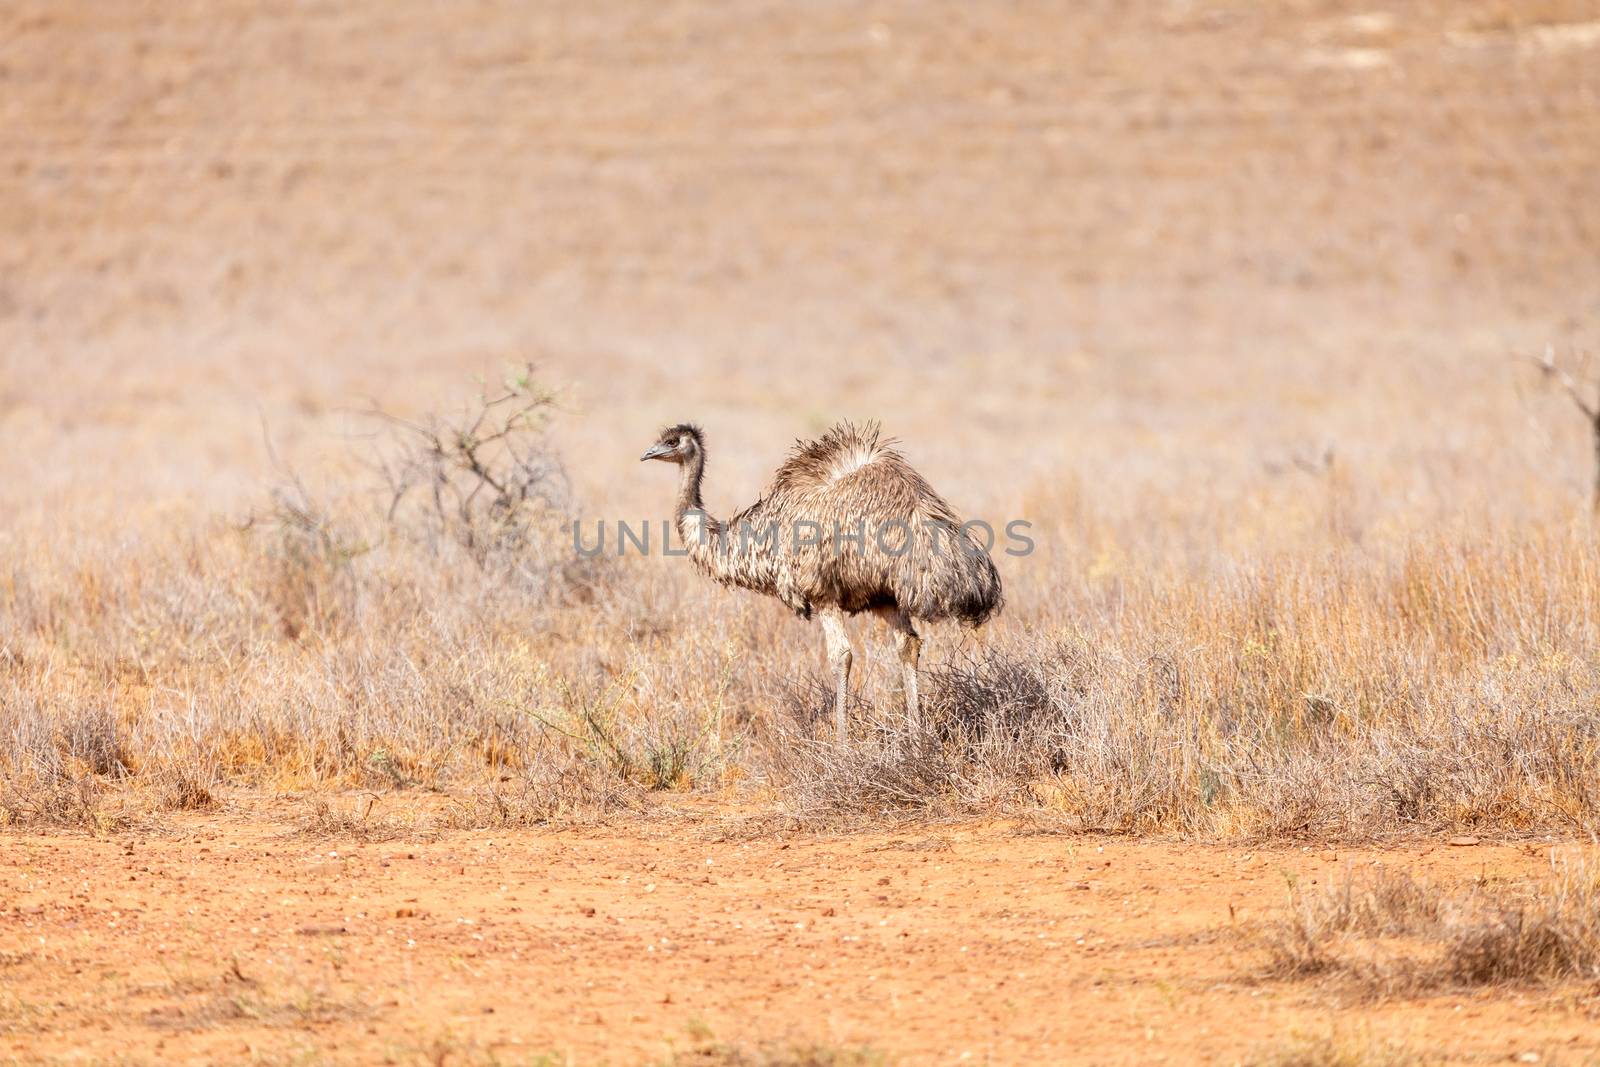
(846, 525)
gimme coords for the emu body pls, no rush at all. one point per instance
(846, 525)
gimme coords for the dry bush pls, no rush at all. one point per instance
(60, 768)
(483, 487)
(1315, 938)
(488, 482)
(1386, 933)
(655, 745)
(890, 772)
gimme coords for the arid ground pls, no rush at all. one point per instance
(310, 753)
(227, 940)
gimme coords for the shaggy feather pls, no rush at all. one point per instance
(872, 533)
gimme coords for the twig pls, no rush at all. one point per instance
(1589, 409)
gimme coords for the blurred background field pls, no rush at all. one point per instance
(1223, 297)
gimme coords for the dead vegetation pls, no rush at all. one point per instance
(358, 820)
(1307, 564)
(430, 630)
(724, 1055)
(1341, 1050)
(706, 1050)
(1437, 690)
(1383, 933)
(297, 1009)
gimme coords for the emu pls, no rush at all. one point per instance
(845, 526)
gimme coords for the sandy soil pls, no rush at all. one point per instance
(231, 938)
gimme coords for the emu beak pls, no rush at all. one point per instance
(656, 452)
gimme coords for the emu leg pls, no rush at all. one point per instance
(909, 646)
(839, 659)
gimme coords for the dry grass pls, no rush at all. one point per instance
(1339, 1050)
(359, 820)
(1419, 681)
(719, 1054)
(704, 1052)
(1445, 685)
(1313, 556)
(1385, 933)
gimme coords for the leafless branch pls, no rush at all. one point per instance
(1561, 376)
(1576, 392)
(477, 468)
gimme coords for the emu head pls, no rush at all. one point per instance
(677, 444)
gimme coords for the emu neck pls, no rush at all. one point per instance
(689, 491)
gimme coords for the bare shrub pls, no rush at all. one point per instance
(862, 781)
(185, 787)
(376, 636)
(991, 696)
(306, 565)
(54, 766)
(483, 487)
(488, 482)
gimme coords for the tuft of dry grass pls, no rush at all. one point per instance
(1554, 937)
(1386, 933)
(359, 820)
(57, 800)
(716, 1054)
(563, 793)
(1338, 1050)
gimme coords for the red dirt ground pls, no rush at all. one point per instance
(235, 938)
